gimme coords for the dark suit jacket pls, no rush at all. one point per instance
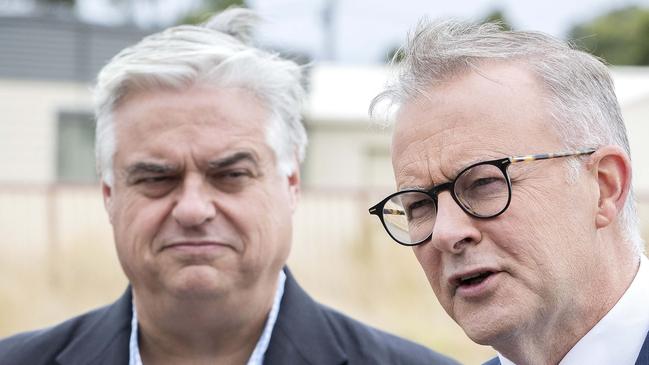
(643, 358)
(305, 333)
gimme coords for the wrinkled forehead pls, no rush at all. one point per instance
(205, 120)
(495, 111)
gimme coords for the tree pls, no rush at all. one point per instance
(498, 16)
(210, 7)
(495, 16)
(395, 54)
(620, 36)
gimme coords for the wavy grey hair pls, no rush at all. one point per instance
(217, 54)
(580, 93)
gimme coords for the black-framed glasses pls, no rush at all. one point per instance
(482, 190)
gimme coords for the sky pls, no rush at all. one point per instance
(364, 30)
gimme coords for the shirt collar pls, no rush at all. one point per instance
(618, 337)
(257, 356)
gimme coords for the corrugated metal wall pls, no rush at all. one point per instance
(50, 48)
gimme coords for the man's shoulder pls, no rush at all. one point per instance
(371, 342)
(310, 332)
(493, 361)
(44, 345)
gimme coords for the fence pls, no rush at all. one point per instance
(58, 260)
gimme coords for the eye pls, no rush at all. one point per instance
(153, 179)
(485, 181)
(237, 174)
(420, 208)
(155, 186)
(232, 179)
(485, 187)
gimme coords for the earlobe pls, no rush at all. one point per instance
(294, 187)
(106, 191)
(613, 171)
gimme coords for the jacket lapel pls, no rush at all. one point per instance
(643, 358)
(493, 361)
(104, 337)
(302, 333)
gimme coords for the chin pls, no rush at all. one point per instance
(488, 327)
(199, 282)
(483, 336)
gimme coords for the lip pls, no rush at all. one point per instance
(474, 291)
(195, 246)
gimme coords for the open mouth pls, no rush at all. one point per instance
(473, 279)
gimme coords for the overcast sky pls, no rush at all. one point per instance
(363, 30)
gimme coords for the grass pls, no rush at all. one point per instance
(353, 268)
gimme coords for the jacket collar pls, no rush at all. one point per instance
(103, 340)
(302, 331)
(643, 358)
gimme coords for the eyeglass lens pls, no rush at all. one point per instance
(481, 191)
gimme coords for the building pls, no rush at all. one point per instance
(51, 208)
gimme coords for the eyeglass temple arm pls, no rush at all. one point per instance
(375, 211)
(547, 156)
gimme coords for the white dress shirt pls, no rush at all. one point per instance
(618, 337)
(257, 356)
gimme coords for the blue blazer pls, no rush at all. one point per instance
(306, 332)
(643, 358)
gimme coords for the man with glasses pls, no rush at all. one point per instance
(514, 189)
(199, 140)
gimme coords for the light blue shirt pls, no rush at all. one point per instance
(257, 357)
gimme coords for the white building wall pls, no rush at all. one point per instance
(636, 118)
(347, 155)
(29, 111)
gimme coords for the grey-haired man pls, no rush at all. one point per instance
(514, 176)
(199, 141)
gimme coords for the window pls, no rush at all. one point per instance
(75, 160)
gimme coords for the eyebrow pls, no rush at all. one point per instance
(233, 159)
(150, 167)
(412, 187)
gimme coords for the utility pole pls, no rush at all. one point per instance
(327, 16)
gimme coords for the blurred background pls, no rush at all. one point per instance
(57, 257)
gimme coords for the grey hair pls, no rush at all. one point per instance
(580, 92)
(218, 54)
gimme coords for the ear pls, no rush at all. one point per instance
(612, 167)
(107, 193)
(294, 186)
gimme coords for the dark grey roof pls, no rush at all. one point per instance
(49, 48)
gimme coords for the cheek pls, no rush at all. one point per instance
(265, 226)
(282, 222)
(140, 218)
(430, 262)
(279, 229)
(136, 223)
(533, 255)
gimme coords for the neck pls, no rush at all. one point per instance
(602, 285)
(222, 330)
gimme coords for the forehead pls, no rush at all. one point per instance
(496, 111)
(199, 120)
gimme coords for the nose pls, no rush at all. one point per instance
(194, 205)
(454, 230)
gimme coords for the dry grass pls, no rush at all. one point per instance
(353, 268)
(41, 288)
(383, 288)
